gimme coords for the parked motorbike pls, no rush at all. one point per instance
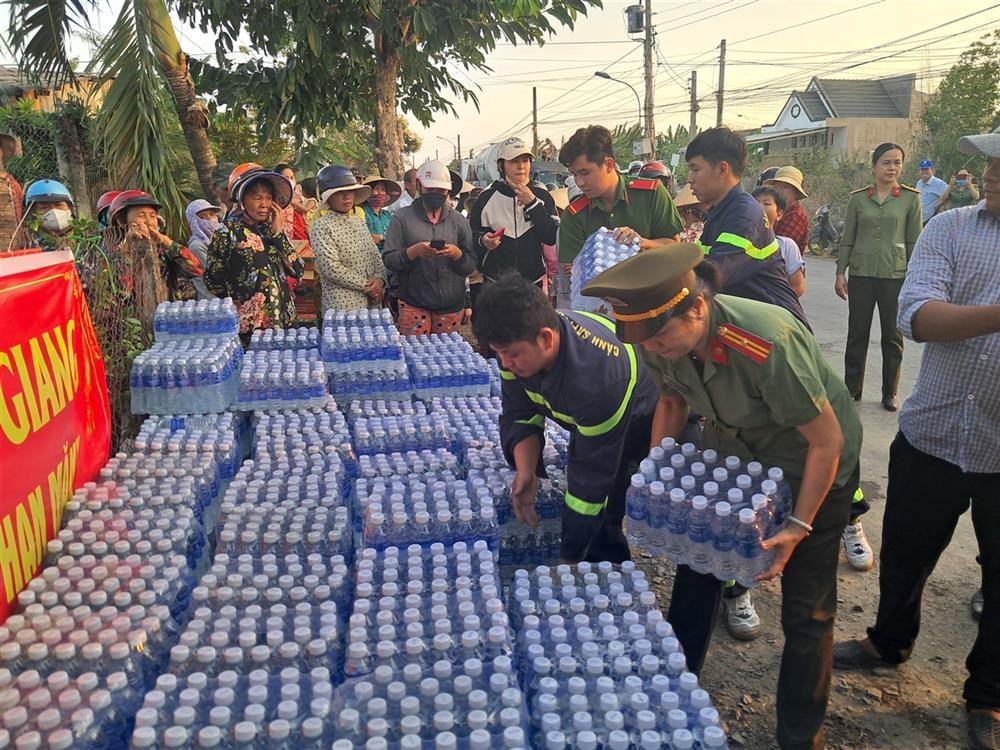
(825, 234)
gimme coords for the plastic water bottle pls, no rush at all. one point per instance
(656, 521)
(724, 558)
(699, 535)
(636, 510)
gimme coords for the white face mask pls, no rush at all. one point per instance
(57, 219)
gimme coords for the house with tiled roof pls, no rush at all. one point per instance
(848, 117)
(15, 87)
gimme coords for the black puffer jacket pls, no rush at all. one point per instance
(435, 284)
(526, 229)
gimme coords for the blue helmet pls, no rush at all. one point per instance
(46, 191)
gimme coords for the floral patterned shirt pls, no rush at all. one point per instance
(252, 264)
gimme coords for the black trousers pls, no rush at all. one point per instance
(808, 608)
(925, 498)
(863, 295)
(609, 542)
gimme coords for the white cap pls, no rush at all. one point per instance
(434, 174)
(514, 147)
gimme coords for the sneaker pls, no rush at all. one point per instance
(742, 621)
(859, 552)
(984, 729)
(976, 605)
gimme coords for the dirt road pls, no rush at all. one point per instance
(914, 707)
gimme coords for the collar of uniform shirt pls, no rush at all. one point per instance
(729, 197)
(621, 194)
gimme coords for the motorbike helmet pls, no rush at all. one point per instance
(336, 178)
(659, 171)
(248, 173)
(127, 199)
(767, 174)
(46, 191)
(634, 167)
(103, 204)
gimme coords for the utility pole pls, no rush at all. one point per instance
(648, 64)
(458, 150)
(720, 95)
(534, 121)
(693, 127)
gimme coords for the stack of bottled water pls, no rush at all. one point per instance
(186, 375)
(399, 434)
(444, 364)
(282, 709)
(59, 711)
(600, 252)
(496, 382)
(201, 318)
(391, 465)
(286, 506)
(272, 339)
(429, 654)
(602, 667)
(382, 408)
(281, 379)
(362, 352)
(217, 434)
(705, 512)
(424, 509)
(521, 544)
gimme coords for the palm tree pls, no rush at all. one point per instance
(141, 64)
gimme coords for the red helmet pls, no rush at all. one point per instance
(127, 199)
(247, 173)
(239, 171)
(104, 202)
(654, 169)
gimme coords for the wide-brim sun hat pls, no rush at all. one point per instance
(281, 187)
(393, 189)
(789, 176)
(458, 185)
(985, 144)
(686, 197)
(10, 145)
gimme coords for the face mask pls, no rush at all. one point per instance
(377, 201)
(57, 219)
(211, 225)
(434, 201)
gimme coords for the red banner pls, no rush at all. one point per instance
(55, 424)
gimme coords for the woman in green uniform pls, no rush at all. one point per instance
(882, 226)
(767, 394)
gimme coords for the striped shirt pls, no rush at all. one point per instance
(953, 412)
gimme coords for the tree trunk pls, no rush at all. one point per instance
(193, 117)
(71, 153)
(388, 145)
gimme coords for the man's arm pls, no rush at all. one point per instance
(825, 442)
(926, 310)
(669, 418)
(571, 237)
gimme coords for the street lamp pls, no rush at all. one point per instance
(454, 148)
(606, 76)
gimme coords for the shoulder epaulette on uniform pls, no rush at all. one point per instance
(911, 189)
(745, 343)
(578, 205)
(861, 190)
(641, 183)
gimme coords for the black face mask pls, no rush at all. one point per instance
(433, 201)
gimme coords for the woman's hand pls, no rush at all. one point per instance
(451, 252)
(783, 543)
(373, 290)
(491, 241)
(377, 238)
(466, 315)
(421, 250)
(840, 286)
(277, 219)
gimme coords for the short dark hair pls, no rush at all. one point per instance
(776, 196)
(717, 145)
(308, 186)
(409, 174)
(882, 148)
(511, 309)
(282, 165)
(594, 142)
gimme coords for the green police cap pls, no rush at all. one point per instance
(646, 290)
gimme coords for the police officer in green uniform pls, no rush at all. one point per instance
(637, 207)
(758, 376)
(881, 229)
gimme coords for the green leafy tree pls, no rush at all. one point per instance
(967, 101)
(319, 64)
(142, 72)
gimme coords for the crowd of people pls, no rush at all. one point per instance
(710, 343)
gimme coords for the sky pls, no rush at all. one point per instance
(773, 47)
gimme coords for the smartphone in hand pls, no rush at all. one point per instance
(499, 233)
(437, 245)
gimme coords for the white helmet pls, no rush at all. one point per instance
(434, 174)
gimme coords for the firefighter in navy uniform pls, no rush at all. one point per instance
(571, 368)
